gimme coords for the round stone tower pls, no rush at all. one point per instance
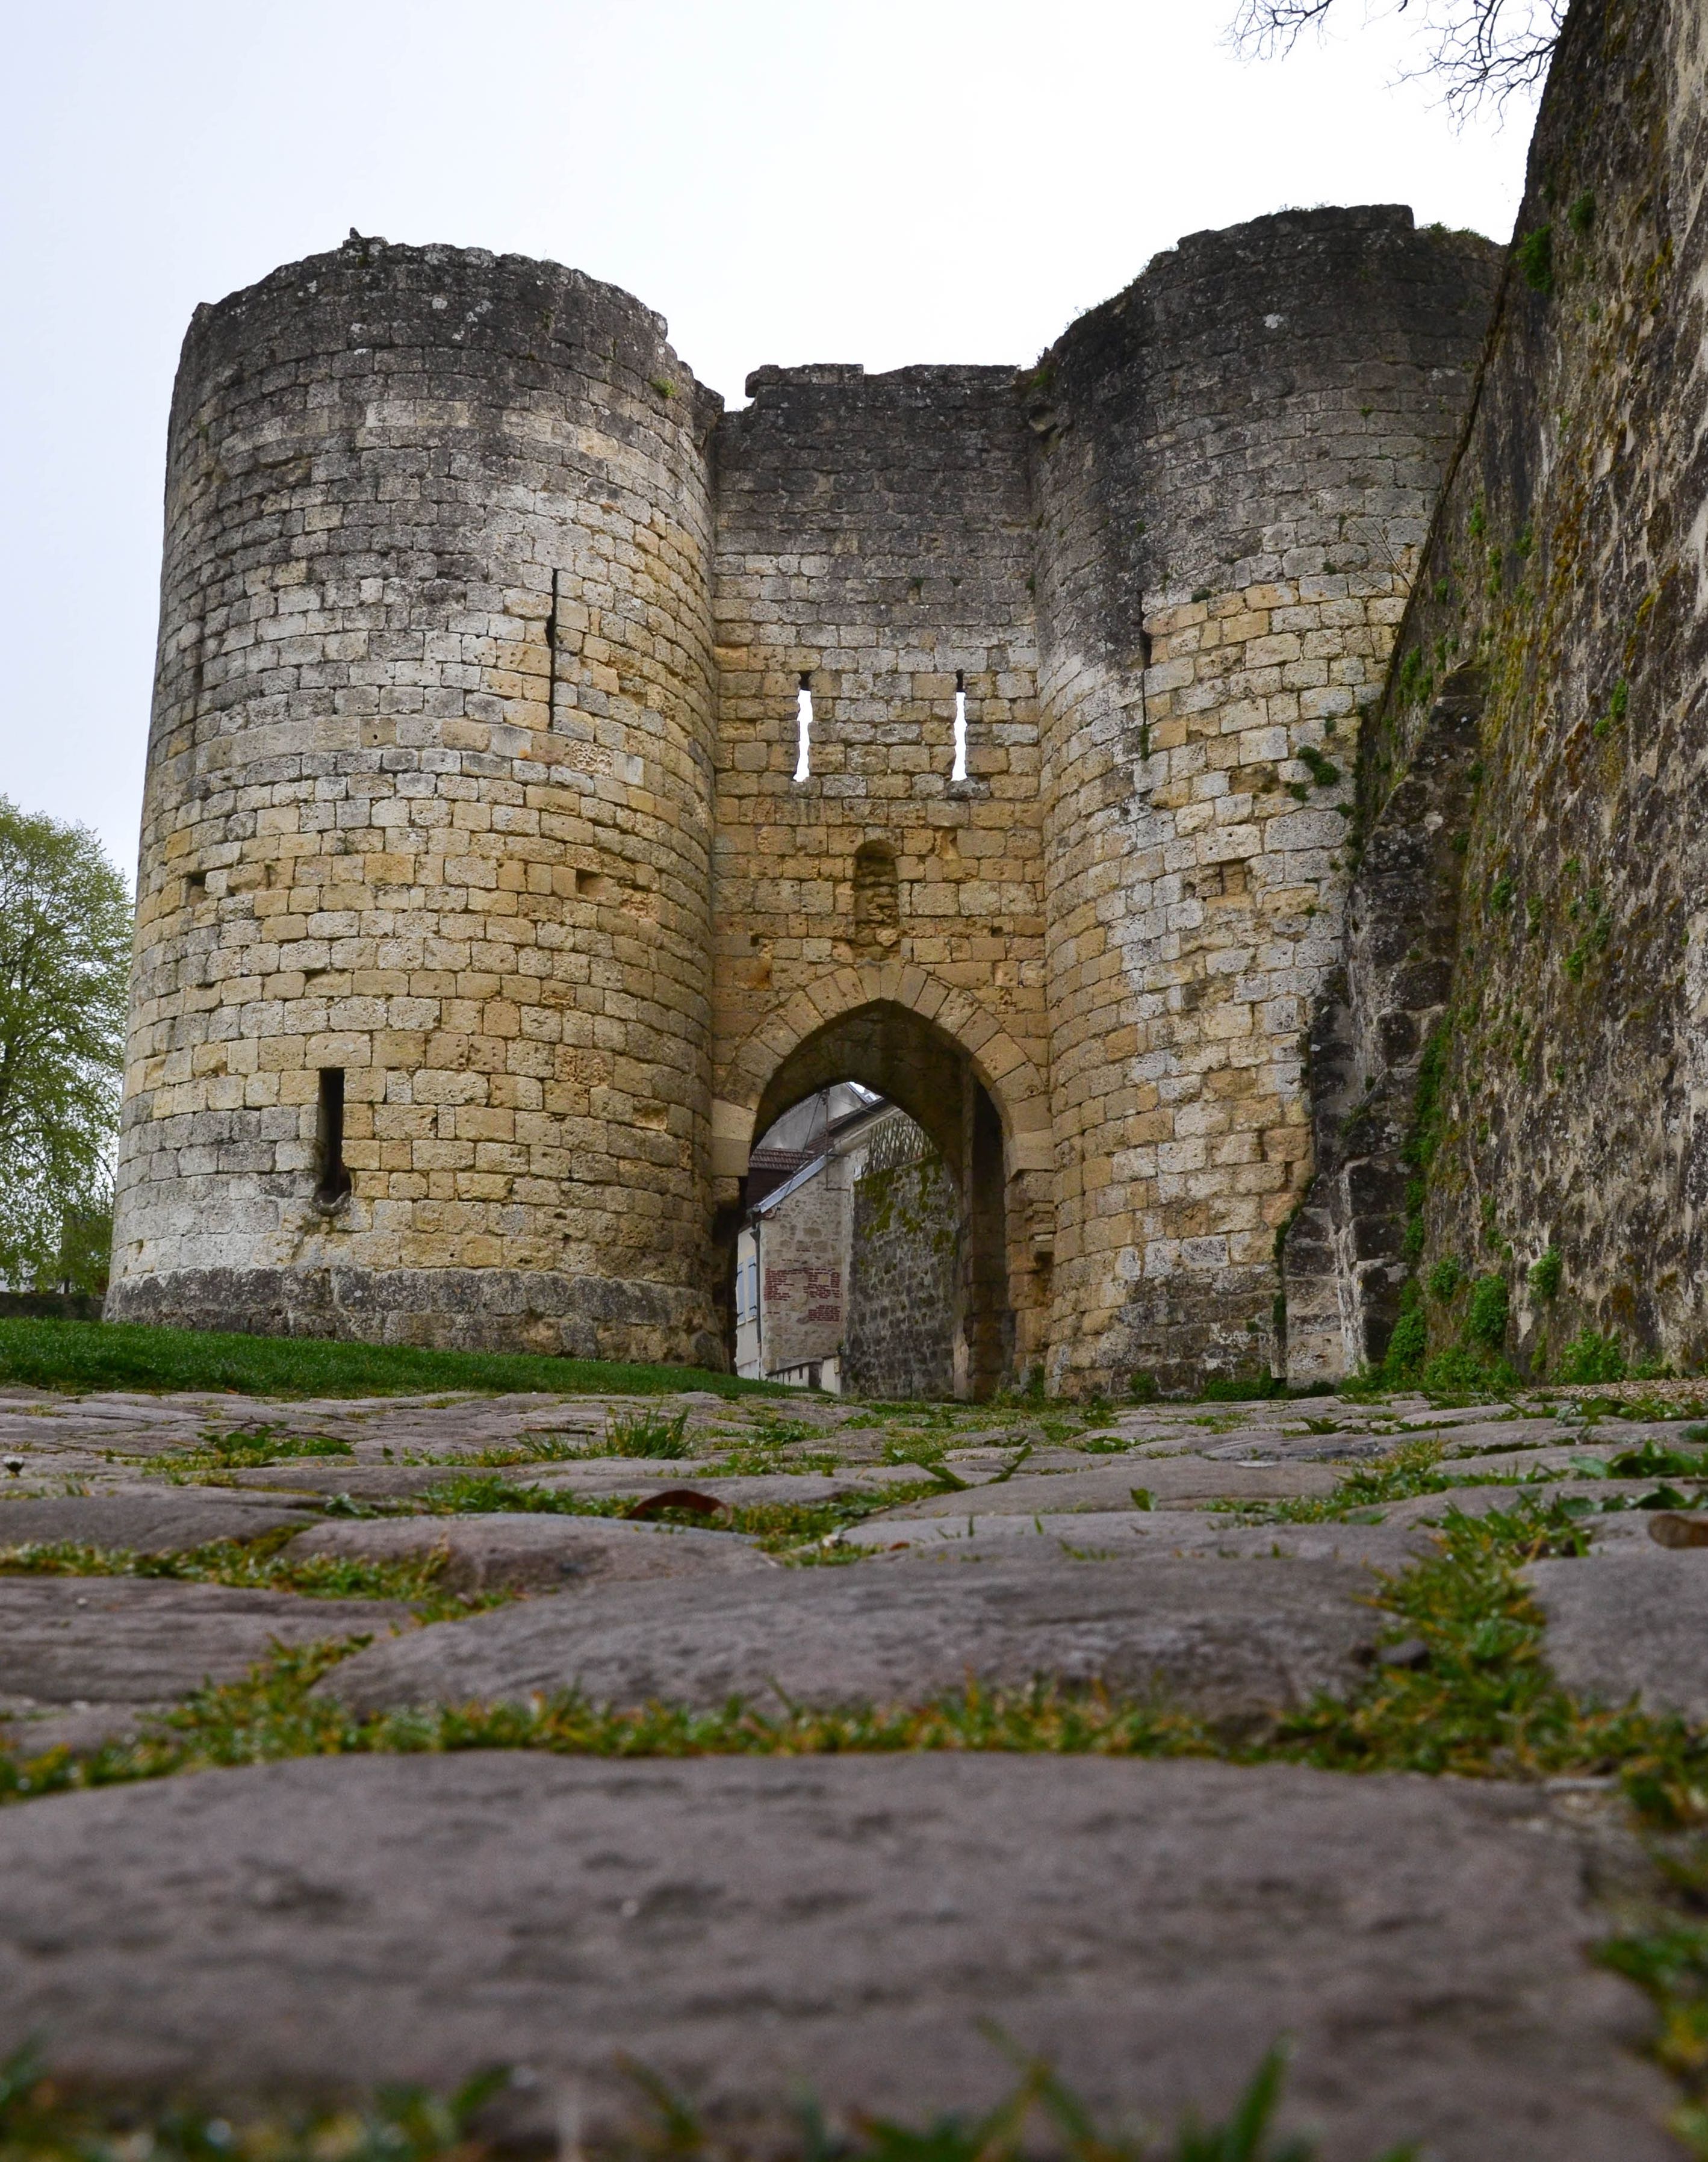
(419, 1036)
(1237, 460)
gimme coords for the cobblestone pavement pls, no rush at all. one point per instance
(748, 1926)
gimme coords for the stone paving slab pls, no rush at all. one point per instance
(538, 1552)
(1630, 1620)
(100, 1648)
(750, 1928)
(1478, 1500)
(1109, 1485)
(1101, 1534)
(1235, 1640)
(162, 1520)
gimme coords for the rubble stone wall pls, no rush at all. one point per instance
(904, 1270)
(1530, 929)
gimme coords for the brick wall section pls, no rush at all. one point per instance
(377, 836)
(1237, 459)
(1561, 607)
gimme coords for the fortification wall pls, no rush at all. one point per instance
(1530, 929)
(428, 804)
(875, 535)
(478, 625)
(1237, 461)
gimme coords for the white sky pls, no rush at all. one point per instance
(880, 180)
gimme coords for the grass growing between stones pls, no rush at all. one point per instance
(245, 1448)
(1472, 1696)
(1669, 1964)
(85, 1356)
(260, 1565)
(797, 1529)
(44, 2121)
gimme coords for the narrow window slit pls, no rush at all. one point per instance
(960, 771)
(803, 722)
(329, 1138)
(552, 656)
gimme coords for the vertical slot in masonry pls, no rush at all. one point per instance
(960, 771)
(329, 1139)
(803, 724)
(551, 657)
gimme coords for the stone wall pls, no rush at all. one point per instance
(874, 537)
(1531, 933)
(803, 1253)
(904, 1271)
(471, 781)
(1237, 458)
(428, 802)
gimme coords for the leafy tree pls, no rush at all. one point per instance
(65, 959)
(1478, 48)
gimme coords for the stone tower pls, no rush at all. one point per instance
(486, 919)
(420, 1033)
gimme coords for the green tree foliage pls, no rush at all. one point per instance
(65, 959)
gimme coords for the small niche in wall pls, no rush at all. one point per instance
(194, 884)
(803, 725)
(593, 885)
(334, 1182)
(958, 771)
(877, 899)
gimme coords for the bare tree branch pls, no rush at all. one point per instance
(1480, 51)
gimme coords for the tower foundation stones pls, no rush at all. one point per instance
(484, 907)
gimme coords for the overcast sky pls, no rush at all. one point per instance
(880, 180)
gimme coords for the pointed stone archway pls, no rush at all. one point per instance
(937, 1053)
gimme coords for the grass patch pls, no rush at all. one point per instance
(1413, 1468)
(80, 1355)
(245, 1448)
(788, 1529)
(646, 1433)
(42, 2121)
(262, 1565)
(1668, 1962)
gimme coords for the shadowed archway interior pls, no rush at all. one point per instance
(896, 1052)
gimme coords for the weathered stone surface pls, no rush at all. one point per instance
(1134, 1532)
(641, 588)
(1630, 1620)
(539, 1553)
(1478, 1501)
(99, 1646)
(1233, 1640)
(1534, 851)
(1679, 1527)
(170, 1520)
(1149, 1927)
(1109, 1485)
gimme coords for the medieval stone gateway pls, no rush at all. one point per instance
(483, 921)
